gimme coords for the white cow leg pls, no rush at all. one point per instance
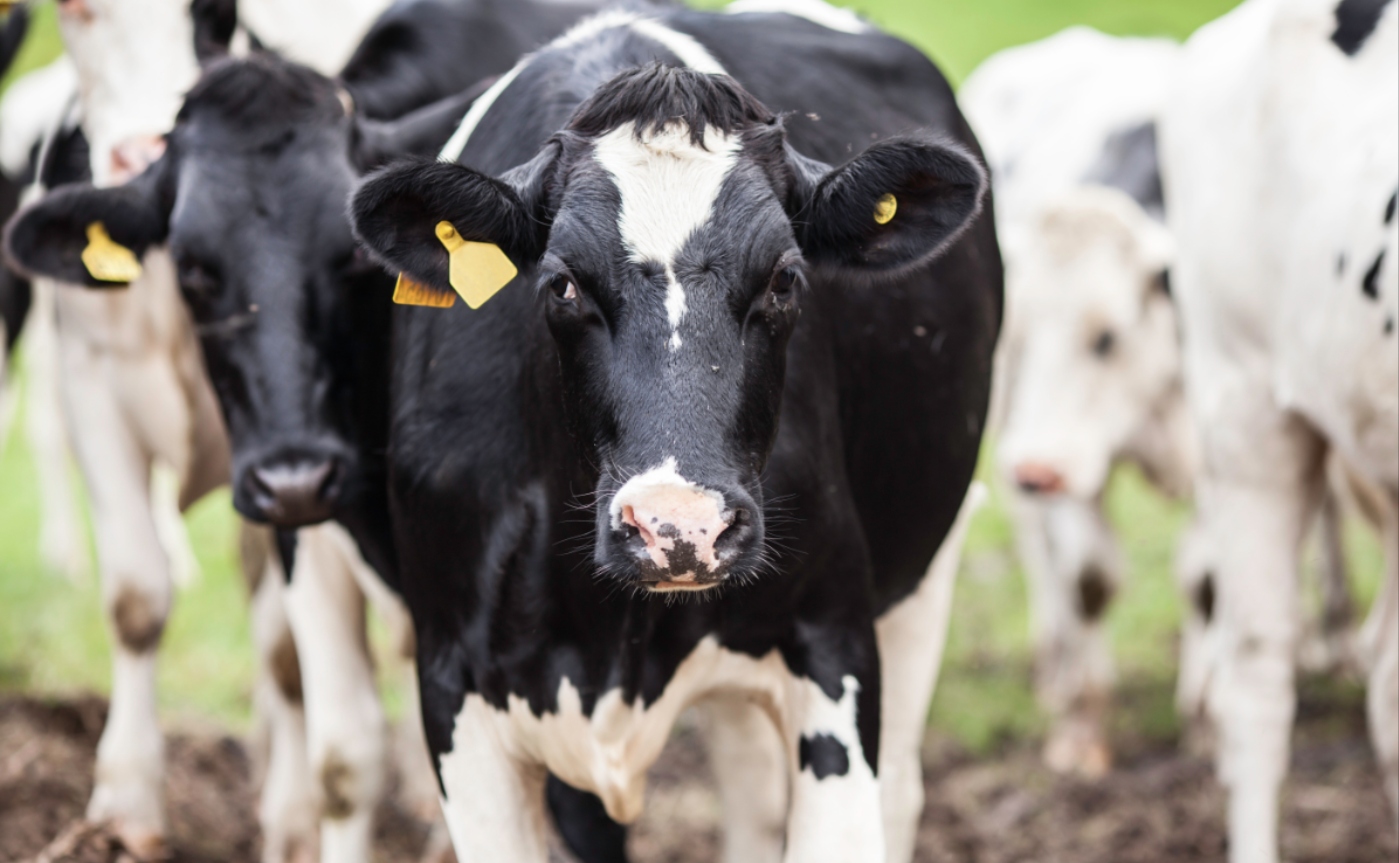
(290, 805)
(1196, 581)
(750, 767)
(912, 637)
(136, 593)
(1257, 532)
(1071, 562)
(62, 540)
(493, 802)
(836, 810)
(1383, 696)
(419, 791)
(346, 725)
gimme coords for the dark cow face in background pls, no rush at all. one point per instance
(250, 198)
(272, 276)
(670, 231)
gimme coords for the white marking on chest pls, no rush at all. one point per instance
(668, 187)
(610, 751)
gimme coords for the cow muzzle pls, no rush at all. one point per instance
(133, 156)
(292, 493)
(679, 536)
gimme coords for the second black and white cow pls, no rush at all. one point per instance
(710, 436)
(293, 326)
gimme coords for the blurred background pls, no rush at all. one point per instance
(985, 724)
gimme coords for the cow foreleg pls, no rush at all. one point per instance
(346, 725)
(828, 728)
(289, 806)
(62, 544)
(1383, 695)
(1256, 532)
(750, 768)
(912, 636)
(1073, 567)
(1196, 581)
(493, 800)
(136, 594)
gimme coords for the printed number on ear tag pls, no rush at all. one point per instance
(477, 270)
(411, 292)
(108, 260)
(885, 209)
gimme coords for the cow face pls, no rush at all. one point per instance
(135, 61)
(1092, 348)
(669, 232)
(250, 198)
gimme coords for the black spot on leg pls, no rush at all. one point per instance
(1094, 593)
(1356, 20)
(1389, 208)
(1204, 598)
(1371, 284)
(825, 755)
(1341, 264)
(1389, 325)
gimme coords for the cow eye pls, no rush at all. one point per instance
(196, 279)
(1105, 344)
(563, 288)
(784, 281)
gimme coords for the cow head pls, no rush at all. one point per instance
(250, 197)
(135, 59)
(1092, 347)
(669, 231)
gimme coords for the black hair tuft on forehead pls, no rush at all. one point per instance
(262, 89)
(655, 95)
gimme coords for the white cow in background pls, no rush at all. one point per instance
(1281, 143)
(1089, 367)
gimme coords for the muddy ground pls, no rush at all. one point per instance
(1159, 805)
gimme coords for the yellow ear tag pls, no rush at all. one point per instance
(108, 260)
(411, 292)
(477, 270)
(885, 209)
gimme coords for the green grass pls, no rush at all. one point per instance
(52, 637)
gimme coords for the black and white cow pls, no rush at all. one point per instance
(710, 437)
(293, 326)
(1280, 149)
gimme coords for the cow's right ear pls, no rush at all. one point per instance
(114, 226)
(399, 213)
(215, 22)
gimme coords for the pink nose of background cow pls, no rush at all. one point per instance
(678, 524)
(1038, 478)
(134, 155)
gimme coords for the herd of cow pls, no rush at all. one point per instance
(531, 321)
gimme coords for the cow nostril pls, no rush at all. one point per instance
(637, 528)
(738, 534)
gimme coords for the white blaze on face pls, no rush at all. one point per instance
(668, 187)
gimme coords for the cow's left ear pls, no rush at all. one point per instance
(899, 204)
(414, 214)
(87, 236)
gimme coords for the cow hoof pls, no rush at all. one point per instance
(1078, 751)
(141, 844)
